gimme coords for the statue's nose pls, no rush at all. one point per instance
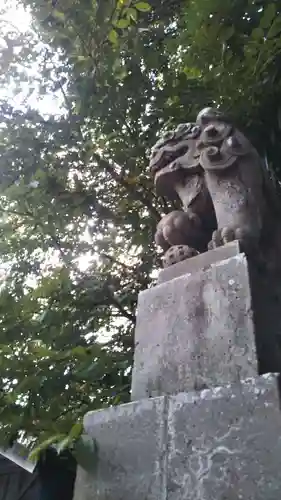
(211, 131)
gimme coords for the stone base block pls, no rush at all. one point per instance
(130, 441)
(216, 444)
(226, 443)
(195, 331)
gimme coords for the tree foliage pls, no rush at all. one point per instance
(78, 211)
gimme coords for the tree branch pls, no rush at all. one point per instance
(115, 302)
(115, 261)
(119, 179)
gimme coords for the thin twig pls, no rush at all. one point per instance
(116, 261)
(115, 302)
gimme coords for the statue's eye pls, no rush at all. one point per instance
(169, 156)
(195, 131)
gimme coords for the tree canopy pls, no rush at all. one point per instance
(78, 210)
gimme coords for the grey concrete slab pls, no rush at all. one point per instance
(131, 457)
(225, 443)
(195, 331)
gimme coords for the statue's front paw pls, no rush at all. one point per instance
(178, 228)
(225, 235)
(177, 253)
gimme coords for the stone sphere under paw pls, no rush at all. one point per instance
(178, 253)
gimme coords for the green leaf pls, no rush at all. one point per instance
(190, 73)
(113, 37)
(35, 453)
(80, 351)
(275, 28)
(82, 58)
(122, 23)
(257, 33)
(76, 431)
(131, 14)
(268, 16)
(58, 14)
(143, 6)
(42, 316)
(63, 444)
(228, 32)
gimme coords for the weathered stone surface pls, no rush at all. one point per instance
(201, 261)
(130, 463)
(225, 443)
(195, 331)
(222, 443)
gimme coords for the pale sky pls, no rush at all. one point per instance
(21, 20)
(17, 16)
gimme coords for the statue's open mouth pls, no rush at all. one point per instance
(174, 168)
(166, 157)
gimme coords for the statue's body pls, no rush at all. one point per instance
(225, 191)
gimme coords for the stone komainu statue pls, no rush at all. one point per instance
(225, 191)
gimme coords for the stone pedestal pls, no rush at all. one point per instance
(195, 331)
(203, 425)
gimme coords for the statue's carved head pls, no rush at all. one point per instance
(168, 157)
(211, 143)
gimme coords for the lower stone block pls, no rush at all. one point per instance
(226, 443)
(218, 444)
(131, 442)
